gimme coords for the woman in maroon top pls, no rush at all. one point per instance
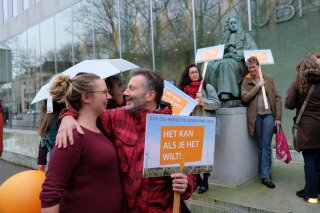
(83, 177)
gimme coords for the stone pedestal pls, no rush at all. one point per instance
(236, 155)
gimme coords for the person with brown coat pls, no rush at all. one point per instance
(308, 74)
(261, 121)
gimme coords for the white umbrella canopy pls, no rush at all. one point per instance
(101, 67)
(42, 94)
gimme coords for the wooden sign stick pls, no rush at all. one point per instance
(264, 95)
(203, 75)
(176, 202)
(177, 195)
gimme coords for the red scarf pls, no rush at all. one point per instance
(192, 88)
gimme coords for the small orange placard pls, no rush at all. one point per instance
(209, 54)
(177, 102)
(181, 144)
(261, 56)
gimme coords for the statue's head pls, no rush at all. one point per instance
(233, 24)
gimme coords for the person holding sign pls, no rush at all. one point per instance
(126, 127)
(307, 79)
(208, 102)
(261, 121)
(84, 177)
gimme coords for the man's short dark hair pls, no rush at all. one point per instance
(154, 81)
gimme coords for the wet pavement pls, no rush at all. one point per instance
(7, 169)
(21, 147)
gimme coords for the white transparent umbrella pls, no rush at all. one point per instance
(42, 94)
(101, 67)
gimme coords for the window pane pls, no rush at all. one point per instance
(14, 8)
(106, 28)
(210, 18)
(82, 31)
(47, 50)
(5, 10)
(173, 36)
(5, 64)
(6, 87)
(136, 32)
(20, 68)
(290, 32)
(64, 39)
(25, 4)
(208, 22)
(34, 64)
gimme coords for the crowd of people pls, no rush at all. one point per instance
(100, 142)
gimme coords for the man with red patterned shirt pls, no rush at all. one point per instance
(126, 127)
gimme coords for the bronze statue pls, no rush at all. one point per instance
(226, 74)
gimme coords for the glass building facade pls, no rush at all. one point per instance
(157, 34)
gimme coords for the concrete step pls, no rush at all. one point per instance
(255, 197)
(18, 159)
(21, 147)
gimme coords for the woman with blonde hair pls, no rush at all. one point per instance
(83, 177)
(307, 79)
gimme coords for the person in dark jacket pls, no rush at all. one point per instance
(48, 129)
(316, 56)
(308, 74)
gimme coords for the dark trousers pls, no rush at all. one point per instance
(318, 175)
(203, 181)
(311, 159)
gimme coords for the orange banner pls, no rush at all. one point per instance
(177, 102)
(180, 144)
(261, 56)
(209, 54)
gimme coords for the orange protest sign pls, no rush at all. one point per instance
(180, 144)
(208, 54)
(261, 56)
(178, 102)
(264, 56)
